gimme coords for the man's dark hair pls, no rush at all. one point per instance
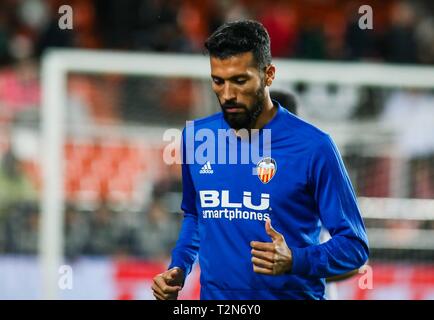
(286, 98)
(233, 38)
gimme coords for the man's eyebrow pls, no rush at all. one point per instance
(241, 75)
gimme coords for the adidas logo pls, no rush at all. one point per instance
(206, 169)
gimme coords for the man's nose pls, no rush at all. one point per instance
(228, 93)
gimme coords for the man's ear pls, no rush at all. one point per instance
(270, 72)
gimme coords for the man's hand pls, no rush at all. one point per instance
(271, 258)
(167, 284)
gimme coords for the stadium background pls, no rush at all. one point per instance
(122, 201)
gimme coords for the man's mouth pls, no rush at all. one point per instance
(234, 109)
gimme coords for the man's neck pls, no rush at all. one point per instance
(266, 115)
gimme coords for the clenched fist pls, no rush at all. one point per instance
(167, 285)
(272, 258)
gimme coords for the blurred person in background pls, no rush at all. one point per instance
(20, 90)
(15, 188)
(399, 41)
(286, 99)
(414, 141)
(414, 145)
(156, 232)
(105, 231)
(425, 39)
(84, 33)
(4, 54)
(280, 19)
(76, 232)
(22, 229)
(359, 44)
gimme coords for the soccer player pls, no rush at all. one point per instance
(257, 235)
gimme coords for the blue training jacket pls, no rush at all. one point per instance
(300, 185)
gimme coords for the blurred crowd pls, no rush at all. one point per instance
(100, 231)
(403, 31)
(104, 229)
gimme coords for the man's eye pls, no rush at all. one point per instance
(217, 81)
(243, 81)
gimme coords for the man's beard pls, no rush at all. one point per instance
(244, 119)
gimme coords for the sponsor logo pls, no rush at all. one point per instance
(218, 205)
(212, 199)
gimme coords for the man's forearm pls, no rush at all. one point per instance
(337, 256)
(185, 252)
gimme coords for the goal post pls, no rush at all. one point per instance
(57, 64)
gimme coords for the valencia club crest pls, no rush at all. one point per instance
(266, 169)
